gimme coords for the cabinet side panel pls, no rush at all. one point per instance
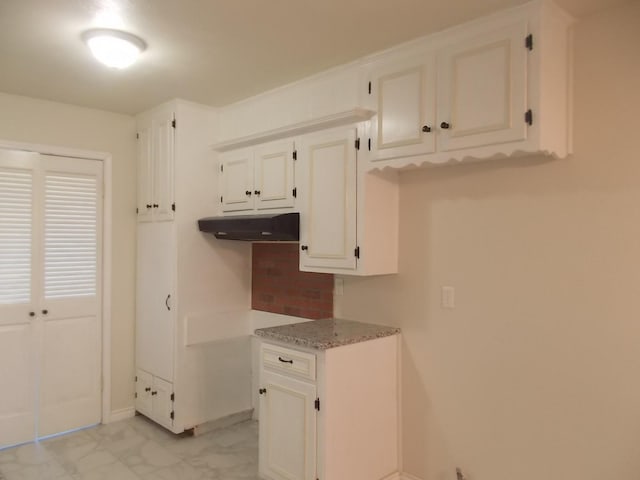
(555, 74)
(359, 410)
(378, 232)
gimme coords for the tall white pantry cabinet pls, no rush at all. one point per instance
(179, 273)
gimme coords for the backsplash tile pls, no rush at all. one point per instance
(277, 286)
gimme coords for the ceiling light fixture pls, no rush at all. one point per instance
(114, 48)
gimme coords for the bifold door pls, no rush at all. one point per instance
(50, 295)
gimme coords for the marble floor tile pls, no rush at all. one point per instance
(137, 449)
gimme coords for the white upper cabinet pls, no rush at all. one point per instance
(328, 201)
(258, 178)
(155, 151)
(348, 218)
(236, 180)
(274, 175)
(498, 86)
(483, 90)
(403, 94)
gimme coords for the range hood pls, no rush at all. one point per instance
(253, 228)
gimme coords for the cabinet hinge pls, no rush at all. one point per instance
(295, 192)
(173, 207)
(528, 117)
(135, 395)
(172, 414)
(137, 211)
(356, 252)
(357, 144)
(173, 123)
(222, 168)
(316, 404)
(173, 397)
(528, 42)
(136, 378)
(137, 136)
(369, 144)
(369, 88)
(220, 199)
(295, 155)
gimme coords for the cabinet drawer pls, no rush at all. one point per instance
(287, 360)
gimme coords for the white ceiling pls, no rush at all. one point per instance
(211, 51)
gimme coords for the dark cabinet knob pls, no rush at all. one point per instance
(154, 393)
(426, 128)
(304, 247)
(248, 193)
(262, 391)
(155, 205)
(32, 314)
(445, 126)
(148, 205)
(45, 311)
(148, 389)
(257, 192)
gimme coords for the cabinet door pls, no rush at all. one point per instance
(482, 90)
(274, 175)
(144, 383)
(287, 449)
(154, 299)
(162, 405)
(328, 201)
(403, 94)
(163, 167)
(145, 175)
(236, 180)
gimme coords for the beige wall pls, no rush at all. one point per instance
(536, 372)
(29, 120)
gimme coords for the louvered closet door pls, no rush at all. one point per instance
(70, 304)
(17, 328)
(50, 301)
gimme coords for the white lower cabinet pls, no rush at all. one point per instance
(154, 398)
(330, 414)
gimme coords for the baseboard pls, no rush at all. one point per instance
(121, 414)
(223, 422)
(407, 476)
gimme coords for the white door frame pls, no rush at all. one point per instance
(105, 158)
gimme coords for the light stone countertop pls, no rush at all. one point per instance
(326, 333)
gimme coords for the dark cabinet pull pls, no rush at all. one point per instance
(154, 393)
(285, 361)
(304, 247)
(248, 193)
(32, 314)
(257, 192)
(155, 205)
(445, 125)
(262, 391)
(148, 205)
(148, 389)
(166, 302)
(45, 311)
(426, 128)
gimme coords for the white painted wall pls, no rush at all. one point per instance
(30, 120)
(534, 374)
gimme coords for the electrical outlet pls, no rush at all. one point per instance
(448, 297)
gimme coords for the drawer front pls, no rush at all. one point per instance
(288, 361)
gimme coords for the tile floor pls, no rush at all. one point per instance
(137, 449)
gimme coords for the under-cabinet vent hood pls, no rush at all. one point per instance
(254, 228)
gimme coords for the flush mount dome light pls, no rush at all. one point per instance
(114, 48)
